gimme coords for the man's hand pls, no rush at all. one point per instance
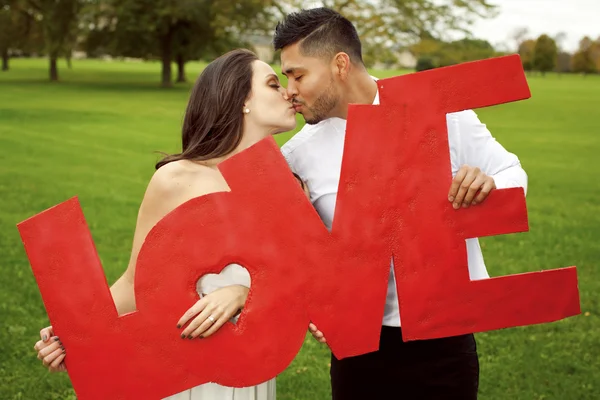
(470, 186)
(317, 334)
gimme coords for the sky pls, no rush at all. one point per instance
(576, 18)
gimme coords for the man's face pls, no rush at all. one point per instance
(311, 84)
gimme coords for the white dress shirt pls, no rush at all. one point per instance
(315, 154)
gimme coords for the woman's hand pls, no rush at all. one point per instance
(212, 311)
(51, 351)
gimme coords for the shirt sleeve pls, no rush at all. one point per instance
(232, 274)
(289, 158)
(478, 148)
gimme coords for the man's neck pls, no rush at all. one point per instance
(362, 89)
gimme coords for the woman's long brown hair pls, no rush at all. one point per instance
(214, 118)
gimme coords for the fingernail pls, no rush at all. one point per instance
(456, 206)
(190, 337)
(56, 339)
(465, 205)
(178, 326)
(451, 198)
(45, 337)
(474, 202)
(183, 336)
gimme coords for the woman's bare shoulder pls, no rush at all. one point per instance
(186, 177)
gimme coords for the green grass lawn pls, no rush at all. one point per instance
(95, 135)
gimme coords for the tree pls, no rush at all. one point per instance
(595, 53)
(437, 18)
(544, 54)
(428, 48)
(97, 22)
(424, 63)
(16, 25)
(526, 51)
(464, 50)
(394, 23)
(58, 20)
(7, 30)
(146, 28)
(441, 54)
(583, 61)
(181, 30)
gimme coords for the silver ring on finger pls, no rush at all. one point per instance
(211, 318)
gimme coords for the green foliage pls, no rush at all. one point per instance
(394, 22)
(424, 63)
(441, 54)
(587, 59)
(544, 54)
(526, 51)
(97, 23)
(19, 30)
(465, 50)
(7, 28)
(183, 30)
(583, 62)
(53, 21)
(378, 54)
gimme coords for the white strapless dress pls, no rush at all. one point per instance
(233, 274)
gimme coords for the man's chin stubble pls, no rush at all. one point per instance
(312, 121)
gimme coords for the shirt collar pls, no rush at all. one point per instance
(376, 100)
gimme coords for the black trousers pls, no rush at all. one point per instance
(445, 369)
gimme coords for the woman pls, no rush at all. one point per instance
(236, 102)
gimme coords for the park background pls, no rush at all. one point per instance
(91, 90)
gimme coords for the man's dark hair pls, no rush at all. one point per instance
(323, 33)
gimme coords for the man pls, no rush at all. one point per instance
(321, 57)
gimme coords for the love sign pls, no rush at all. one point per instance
(392, 204)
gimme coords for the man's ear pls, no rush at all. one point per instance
(341, 65)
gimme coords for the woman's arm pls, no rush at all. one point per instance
(171, 186)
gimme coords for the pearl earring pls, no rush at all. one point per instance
(246, 111)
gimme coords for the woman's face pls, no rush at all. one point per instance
(268, 107)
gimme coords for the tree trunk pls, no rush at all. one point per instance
(53, 68)
(5, 60)
(167, 57)
(181, 68)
